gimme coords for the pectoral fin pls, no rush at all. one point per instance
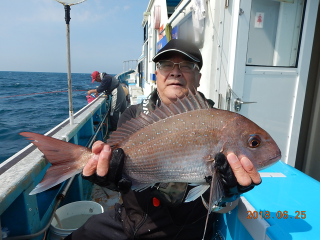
(196, 192)
(138, 187)
(216, 193)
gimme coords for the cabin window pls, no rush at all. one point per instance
(146, 61)
(186, 31)
(145, 32)
(140, 71)
(274, 32)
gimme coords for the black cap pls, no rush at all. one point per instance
(182, 46)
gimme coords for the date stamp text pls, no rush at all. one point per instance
(280, 215)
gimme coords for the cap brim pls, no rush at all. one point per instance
(93, 80)
(156, 57)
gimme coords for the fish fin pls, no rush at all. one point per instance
(63, 156)
(194, 184)
(53, 177)
(138, 187)
(202, 103)
(196, 192)
(181, 105)
(162, 112)
(216, 193)
(191, 102)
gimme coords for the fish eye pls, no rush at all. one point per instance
(254, 141)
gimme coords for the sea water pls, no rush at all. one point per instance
(36, 102)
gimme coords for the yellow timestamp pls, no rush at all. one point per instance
(280, 215)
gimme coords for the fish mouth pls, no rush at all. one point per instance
(268, 164)
(278, 156)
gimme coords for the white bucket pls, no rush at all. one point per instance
(71, 217)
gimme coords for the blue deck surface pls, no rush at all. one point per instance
(298, 194)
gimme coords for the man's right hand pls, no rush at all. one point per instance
(105, 168)
(100, 162)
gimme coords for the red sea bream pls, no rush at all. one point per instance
(175, 143)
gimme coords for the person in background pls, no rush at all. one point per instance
(111, 86)
(160, 212)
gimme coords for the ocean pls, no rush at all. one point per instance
(36, 102)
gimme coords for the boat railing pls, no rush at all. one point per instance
(24, 214)
(134, 64)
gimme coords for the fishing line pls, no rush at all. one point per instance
(40, 93)
(185, 223)
(221, 51)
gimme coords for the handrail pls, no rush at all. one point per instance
(176, 15)
(63, 193)
(96, 133)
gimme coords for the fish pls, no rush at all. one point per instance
(173, 143)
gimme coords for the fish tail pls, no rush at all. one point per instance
(63, 156)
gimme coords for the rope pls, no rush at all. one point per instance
(40, 93)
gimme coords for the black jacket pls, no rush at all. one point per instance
(141, 219)
(108, 83)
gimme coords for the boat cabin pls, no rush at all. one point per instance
(260, 59)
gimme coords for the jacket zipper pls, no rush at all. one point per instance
(140, 225)
(143, 222)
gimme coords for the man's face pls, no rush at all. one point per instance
(175, 83)
(98, 78)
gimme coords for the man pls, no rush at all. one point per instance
(149, 214)
(110, 86)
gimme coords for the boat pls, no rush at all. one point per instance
(261, 60)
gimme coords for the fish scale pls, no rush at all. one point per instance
(180, 157)
(165, 145)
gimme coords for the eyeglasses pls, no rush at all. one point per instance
(185, 66)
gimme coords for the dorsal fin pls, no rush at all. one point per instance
(188, 103)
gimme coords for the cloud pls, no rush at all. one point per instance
(126, 7)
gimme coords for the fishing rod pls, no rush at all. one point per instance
(40, 93)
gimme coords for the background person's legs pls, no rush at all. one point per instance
(118, 105)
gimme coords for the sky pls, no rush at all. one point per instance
(103, 34)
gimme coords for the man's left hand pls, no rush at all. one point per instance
(244, 171)
(238, 176)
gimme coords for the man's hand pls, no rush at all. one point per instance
(105, 168)
(238, 176)
(99, 163)
(244, 171)
(92, 91)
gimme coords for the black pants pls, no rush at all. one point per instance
(108, 226)
(104, 226)
(118, 105)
